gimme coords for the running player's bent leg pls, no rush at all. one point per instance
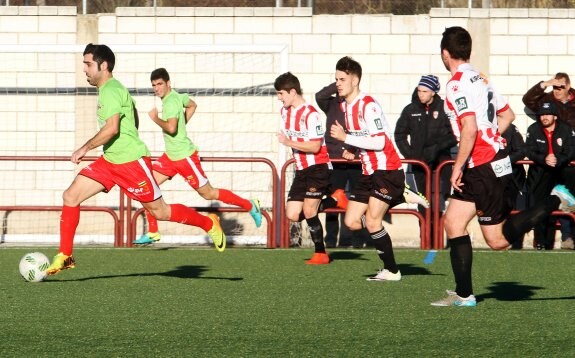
(523, 221)
(152, 222)
(178, 213)
(376, 209)
(294, 210)
(355, 210)
(81, 189)
(461, 255)
(458, 215)
(493, 235)
(383, 245)
(69, 220)
(208, 192)
(316, 233)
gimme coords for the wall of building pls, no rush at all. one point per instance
(515, 47)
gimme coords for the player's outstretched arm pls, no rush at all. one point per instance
(104, 135)
(190, 109)
(169, 126)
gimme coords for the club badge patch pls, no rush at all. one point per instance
(461, 104)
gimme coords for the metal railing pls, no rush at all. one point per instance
(123, 225)
(425, 230)
(438, 234)
(271, 222)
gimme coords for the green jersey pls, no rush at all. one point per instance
(178, 145)
(126, 146)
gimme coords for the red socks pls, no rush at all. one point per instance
(152, 222)
(184, 215)
(69, 220)
(228, 197)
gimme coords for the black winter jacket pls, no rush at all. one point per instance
(429, 131)
(536, 95)
(330, 103)
(517, 151)
(563, 142)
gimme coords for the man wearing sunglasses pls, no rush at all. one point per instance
(557, 90)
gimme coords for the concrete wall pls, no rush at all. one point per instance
(515, 47)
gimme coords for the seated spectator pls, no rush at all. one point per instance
(550, 143)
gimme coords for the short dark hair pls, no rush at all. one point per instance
(560, 75)
(287, 81)
(349, 65)
(100, 54)
(457, 41)
(160, 73)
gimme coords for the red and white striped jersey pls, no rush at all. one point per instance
(364, 118)
(303, 124)
(470, 93)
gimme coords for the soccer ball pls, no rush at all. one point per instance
(33, 266)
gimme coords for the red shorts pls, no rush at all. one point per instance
(135, 177)
(189, 168)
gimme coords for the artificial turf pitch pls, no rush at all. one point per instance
(195, 302)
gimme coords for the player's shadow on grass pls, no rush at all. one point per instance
(346, 255)
(412, 270)
(415, 270)
(188, 272)
(193, 271)
(514, 291)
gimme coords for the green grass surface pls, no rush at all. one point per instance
(188, 302)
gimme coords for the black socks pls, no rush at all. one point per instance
(383, 245)
(461, 261)
(316, 232)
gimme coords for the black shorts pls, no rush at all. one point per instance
(492, 195)
(311, 183)
(385, 185)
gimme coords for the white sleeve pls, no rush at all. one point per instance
(375, 119)
(314, 126)
(372, 143)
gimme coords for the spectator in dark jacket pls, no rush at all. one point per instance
(344, 175)
(563, 96)
(550, 145)
(517, 151)
(423, 132)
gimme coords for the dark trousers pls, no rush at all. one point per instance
(344, 176)
(544, 233)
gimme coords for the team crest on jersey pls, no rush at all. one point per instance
(559, 142)
(435, 114)
(378, 123)
(461, 104)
